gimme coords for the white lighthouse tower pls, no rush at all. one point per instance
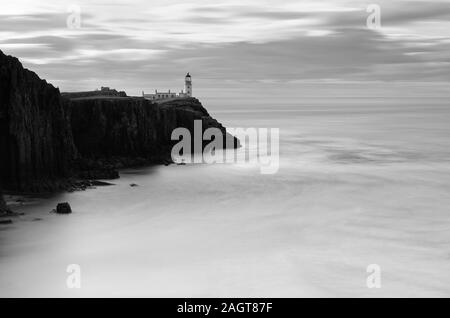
(188, 85)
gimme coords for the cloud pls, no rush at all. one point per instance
(32, 22)
(140, 44)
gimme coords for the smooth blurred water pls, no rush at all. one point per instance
(361, 181)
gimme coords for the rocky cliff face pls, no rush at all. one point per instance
(131, 126)
(119, 126)
(35, 137)
(45, 138)
(184, 112)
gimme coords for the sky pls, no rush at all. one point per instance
(235, 49)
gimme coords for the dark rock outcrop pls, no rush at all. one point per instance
(116, 127)
(3, 207)
(63, 208)
(134, 127)
(184, 112)
(36, 143)
(50, 141)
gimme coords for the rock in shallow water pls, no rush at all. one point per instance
(4, 210)
(97, 183)
(63, 208)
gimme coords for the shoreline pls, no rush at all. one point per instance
(14, 199)
(74, 142)
(81, 138)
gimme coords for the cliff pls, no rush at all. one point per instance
(124, 127)
(36, 143)
(183, 113)
(46, 138)
(133, 126)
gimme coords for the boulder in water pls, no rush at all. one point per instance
(63, 208)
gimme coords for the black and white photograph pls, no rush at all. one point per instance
(224, 149)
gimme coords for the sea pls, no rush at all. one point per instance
(359, 207)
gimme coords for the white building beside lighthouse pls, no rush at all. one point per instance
(158, 95)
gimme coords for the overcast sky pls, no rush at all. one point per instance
(234, 48)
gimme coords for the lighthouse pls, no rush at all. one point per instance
(159, 95)
(188, 85)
